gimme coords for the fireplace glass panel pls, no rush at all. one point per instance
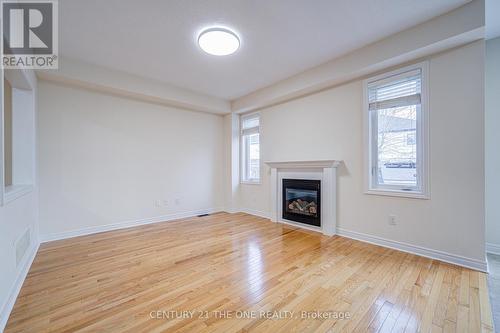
(304, 202)
(301, 201)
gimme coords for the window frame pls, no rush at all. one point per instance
(23, 118)
(244, 152)
(421, 136)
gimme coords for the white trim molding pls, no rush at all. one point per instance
(479, 265)
(16, 288)
(493, 248)
(259, 213)
(12, 192)
(304, 164)
(125, 224)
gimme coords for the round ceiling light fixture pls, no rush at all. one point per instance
(219, 41)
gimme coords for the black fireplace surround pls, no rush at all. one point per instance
(302, 201)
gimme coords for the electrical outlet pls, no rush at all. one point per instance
(165, 203)
(392, 220)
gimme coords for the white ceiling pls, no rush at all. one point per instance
(157, 39)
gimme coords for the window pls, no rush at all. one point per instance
(250, 148)
(396, 115)
(7, 130)
(17, 124)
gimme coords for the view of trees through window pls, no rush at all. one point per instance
(250, 154)
(254, 156)
(397, 148)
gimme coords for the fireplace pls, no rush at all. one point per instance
(302, 201)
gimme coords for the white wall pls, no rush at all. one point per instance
(16, 217)
(232, 161)
(107, 159)
(78, 73)
(328, 125)
(492, 121)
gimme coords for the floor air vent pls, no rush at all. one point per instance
(22, 246)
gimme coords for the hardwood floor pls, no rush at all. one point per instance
(494, 287)
(238, 272)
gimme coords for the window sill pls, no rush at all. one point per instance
(250, 182)
(12, 192)
(401, 194)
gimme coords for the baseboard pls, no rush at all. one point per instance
(125, 224)
(404, 247)
(493, 248)
(255, 212)
(9, 305)
(418, 250)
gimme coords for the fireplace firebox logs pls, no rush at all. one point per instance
(303, 207)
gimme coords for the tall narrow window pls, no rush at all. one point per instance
(18, 138)
(397, 138)
(250, 148)
(7, 129)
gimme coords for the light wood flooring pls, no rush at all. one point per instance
(238, 272)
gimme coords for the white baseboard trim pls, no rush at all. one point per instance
(9, 304)
(418, 250)
(404, 247)
(125, 224)
(258, 213)
(493, 248)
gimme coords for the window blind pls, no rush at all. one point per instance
(403, 90)
(250, 124)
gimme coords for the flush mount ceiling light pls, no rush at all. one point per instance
(219, 41)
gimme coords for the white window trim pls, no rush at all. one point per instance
(22, 83)
(243, 152)
(250, 182)
(422, 139)
(12, 192)
(2, 156)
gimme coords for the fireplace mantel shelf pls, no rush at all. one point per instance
(304, 164)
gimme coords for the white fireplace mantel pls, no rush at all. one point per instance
(304, 164)
(324, 170)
